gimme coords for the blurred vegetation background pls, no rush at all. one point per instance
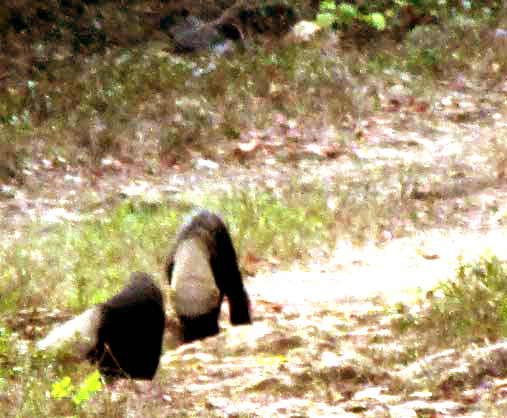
(84, 67)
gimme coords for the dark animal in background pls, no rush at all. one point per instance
(194, 35)
(123, 336)
(202, 268)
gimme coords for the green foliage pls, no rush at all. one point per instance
(325, 20)
(472, 306)
(5, 354)
(476, 299)
(376, 20)
(327, 6)
(62, 389)
(65, 389)
(327, 14)
(381, 15)
(348, 14)
(91, 385)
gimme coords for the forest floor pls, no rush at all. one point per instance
(415, 184)
(323, 341)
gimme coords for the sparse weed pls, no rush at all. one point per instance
(95, 257)
(469, 307)
(285, 229)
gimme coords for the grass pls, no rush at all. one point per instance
(93, 262)
(72, 266)
(98, 98)
(474, 303)
(469, 308)
(84, 263)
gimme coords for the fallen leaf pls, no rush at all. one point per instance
(421, 107)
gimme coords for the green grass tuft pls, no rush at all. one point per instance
(78, 265)
(471, 307)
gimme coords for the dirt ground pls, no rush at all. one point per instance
(321, 343)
